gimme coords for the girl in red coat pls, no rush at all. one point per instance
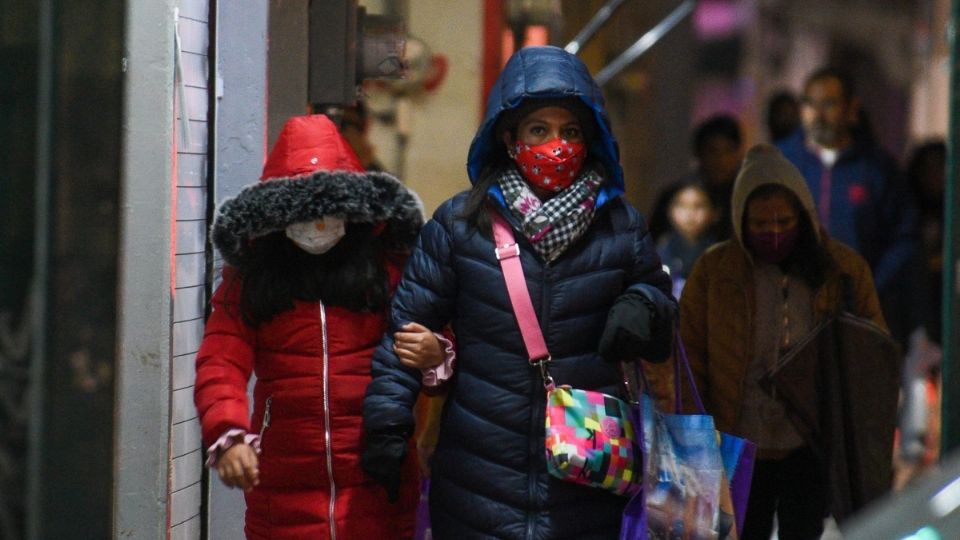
(314, 251)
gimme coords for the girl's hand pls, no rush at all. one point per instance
(417, 347)
(238, 467)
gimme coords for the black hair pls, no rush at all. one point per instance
(830, 72)
(783, 114)
(275, 272)
(809, 260)
(721, 125)
(475, 209)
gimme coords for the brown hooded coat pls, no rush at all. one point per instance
(718, 308)
(840, 389)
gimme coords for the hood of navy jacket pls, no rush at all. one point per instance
(546, 72)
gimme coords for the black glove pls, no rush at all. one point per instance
(382, 460)
(634, 330)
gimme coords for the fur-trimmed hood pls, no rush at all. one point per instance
(310, 173)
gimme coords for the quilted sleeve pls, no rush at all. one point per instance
(424, 295)
(224, 364)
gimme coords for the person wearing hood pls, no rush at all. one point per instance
(545, 161)
(747, 302)
(312, 254)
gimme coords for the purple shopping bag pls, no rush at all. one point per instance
(633, 525)
(738, 456)
(421, 529)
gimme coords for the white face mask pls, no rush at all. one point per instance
(317, 236)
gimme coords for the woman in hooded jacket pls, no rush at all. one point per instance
(543, 160)
(747, 302)
(313, 252)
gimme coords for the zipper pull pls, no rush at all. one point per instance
(266, 417)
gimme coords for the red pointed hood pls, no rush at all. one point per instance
(307, 144)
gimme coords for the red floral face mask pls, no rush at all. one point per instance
(553, 165)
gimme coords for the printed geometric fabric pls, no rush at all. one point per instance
(590, 440)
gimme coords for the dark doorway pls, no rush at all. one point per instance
(60, 119)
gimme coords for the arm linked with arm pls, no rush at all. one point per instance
(424, 295)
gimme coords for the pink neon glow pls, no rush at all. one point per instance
(715, 19)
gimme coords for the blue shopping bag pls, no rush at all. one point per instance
(696, 479)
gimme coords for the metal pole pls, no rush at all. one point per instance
(646, 41)
(598, 20)
(950, 420)
(41, 272)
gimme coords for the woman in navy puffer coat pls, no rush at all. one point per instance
(581, 246)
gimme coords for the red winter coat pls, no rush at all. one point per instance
(312, 363)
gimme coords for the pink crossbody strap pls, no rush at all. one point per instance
(508, 253)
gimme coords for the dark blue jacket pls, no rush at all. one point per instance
(489, 476)
(870, 208)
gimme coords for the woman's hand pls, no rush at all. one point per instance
(417, 347)
(238, 467)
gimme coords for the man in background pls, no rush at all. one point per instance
(861, 198)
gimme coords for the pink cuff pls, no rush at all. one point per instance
(228, 439)
(440, 373)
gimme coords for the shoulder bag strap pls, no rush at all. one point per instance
(508, 253)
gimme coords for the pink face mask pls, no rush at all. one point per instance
(773, 247)
(553, 165)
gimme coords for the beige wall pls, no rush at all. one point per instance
(436, 129)
(930, 106)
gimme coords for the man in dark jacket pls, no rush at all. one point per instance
(861, 199)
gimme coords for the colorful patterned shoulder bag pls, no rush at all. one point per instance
(590, 436)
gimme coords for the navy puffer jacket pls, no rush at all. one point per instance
(489, 476)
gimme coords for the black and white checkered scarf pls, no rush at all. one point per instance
(554, 225)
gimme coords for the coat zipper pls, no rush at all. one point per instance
(326, 425)
(536, 434)
(537, 428)
(266, 419)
